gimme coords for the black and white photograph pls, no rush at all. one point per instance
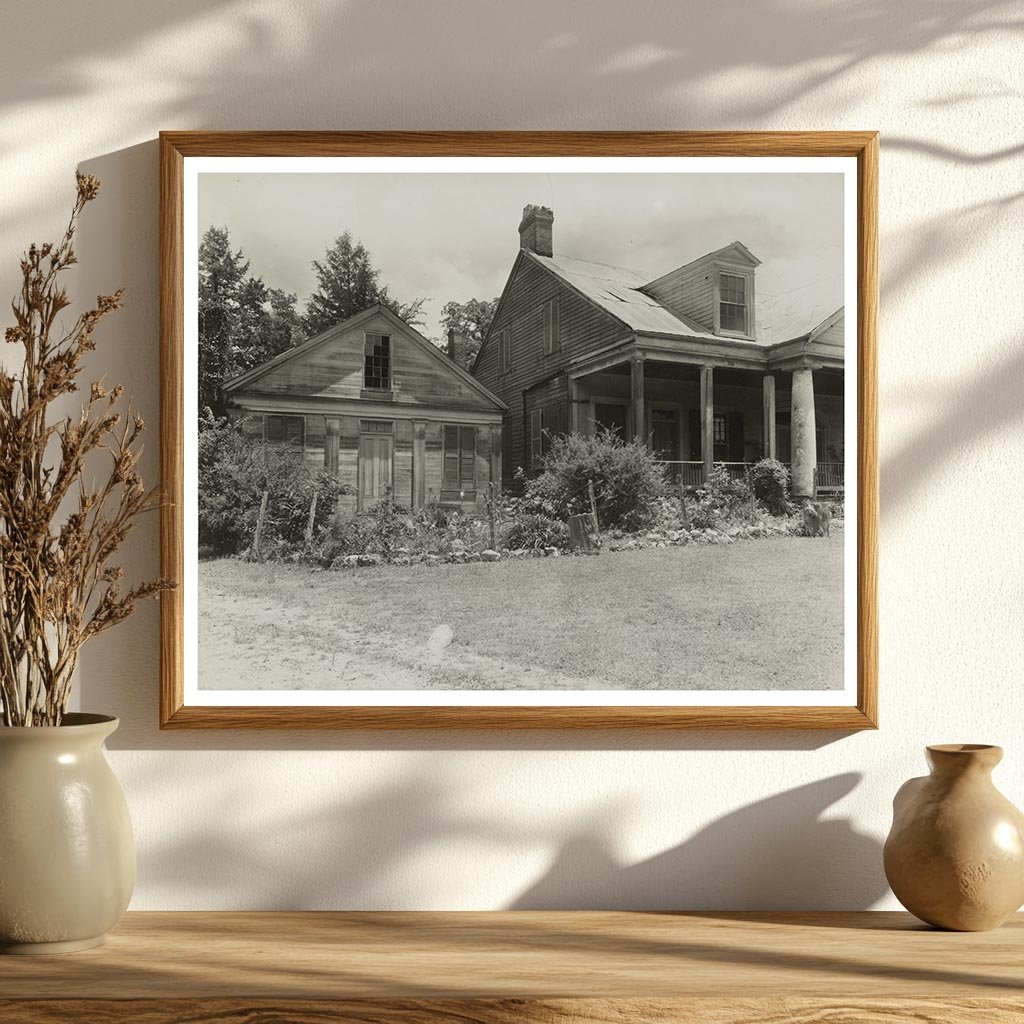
(539, 430)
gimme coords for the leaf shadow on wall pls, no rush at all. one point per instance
(399, 848)
(779, 853)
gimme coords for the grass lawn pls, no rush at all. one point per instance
(757, 615)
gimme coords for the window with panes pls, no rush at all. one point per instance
(377, 362)
(732, 303)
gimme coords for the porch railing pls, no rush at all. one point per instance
(829, 476)
(683, 474)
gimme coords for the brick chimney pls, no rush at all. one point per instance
(535, 230)
(456, 347)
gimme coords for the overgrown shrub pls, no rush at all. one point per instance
(234, 471)
(531, 530)
(769, 480)
(722, 501)
(627, 481)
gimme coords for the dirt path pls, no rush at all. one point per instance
(251, 643)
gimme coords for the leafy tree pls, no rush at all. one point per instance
(472, 320)
(242, 322)
(348, 283)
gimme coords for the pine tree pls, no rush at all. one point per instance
(242, 322)
(347, 284)
(221, 273)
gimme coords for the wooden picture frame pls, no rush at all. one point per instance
(177, 147)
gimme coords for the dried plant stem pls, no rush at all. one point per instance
(58, 586)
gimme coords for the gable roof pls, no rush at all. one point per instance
(407, 331)
(616, 290)
(732, 249)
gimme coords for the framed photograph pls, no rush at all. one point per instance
(519, 429)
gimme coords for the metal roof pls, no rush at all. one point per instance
(616, 290)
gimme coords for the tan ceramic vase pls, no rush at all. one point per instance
(955, 854)
(67, 859)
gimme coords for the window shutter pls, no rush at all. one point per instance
(506, 350)
(451, 458)
(468, 458)
(275, 428)
(548, 329)
(556, 340)
(295, 430)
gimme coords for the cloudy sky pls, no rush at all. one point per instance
(454, 236)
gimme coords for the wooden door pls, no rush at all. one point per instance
(376, 464)
(665, 434)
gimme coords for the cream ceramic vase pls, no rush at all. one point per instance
(955, 854)
(67, 858)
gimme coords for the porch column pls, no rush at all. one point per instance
(804, 435)
(419, 463)
(768, 430)
(636, 374)
(496, 444)
(332, 444)
(574, 406)
(707, 419)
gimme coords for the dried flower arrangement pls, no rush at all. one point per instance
(58, 587)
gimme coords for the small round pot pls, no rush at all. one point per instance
(955, 855)
(67, 858)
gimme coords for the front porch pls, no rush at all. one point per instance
(696, 416)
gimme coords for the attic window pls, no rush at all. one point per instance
(377, 362)
(732, 304)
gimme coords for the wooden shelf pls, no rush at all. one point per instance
(508, 968)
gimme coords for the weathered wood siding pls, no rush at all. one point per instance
(334, 369)
(583, 328)
(690, 290)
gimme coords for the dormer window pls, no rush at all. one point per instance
(377, 362)
(733, 304)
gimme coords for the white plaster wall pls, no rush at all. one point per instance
(570, 820)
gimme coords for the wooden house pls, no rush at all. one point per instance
(689, 361)
(375, 403)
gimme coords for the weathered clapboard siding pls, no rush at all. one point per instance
(313, 450)
(690, 290)
(582, 329)
(333, 368)
(321, 383)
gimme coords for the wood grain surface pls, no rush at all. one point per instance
(175, 147)
(524, 966)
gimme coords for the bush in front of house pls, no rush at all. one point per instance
(628, 482)
(769, 480)
(721, 501)
(234, 471)
(532, 530)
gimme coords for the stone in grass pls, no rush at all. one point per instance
(440, 637)
(536, 553)
(350, 561)
(489, 556)
(367, 559)
(552, 552)
(431, 560)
